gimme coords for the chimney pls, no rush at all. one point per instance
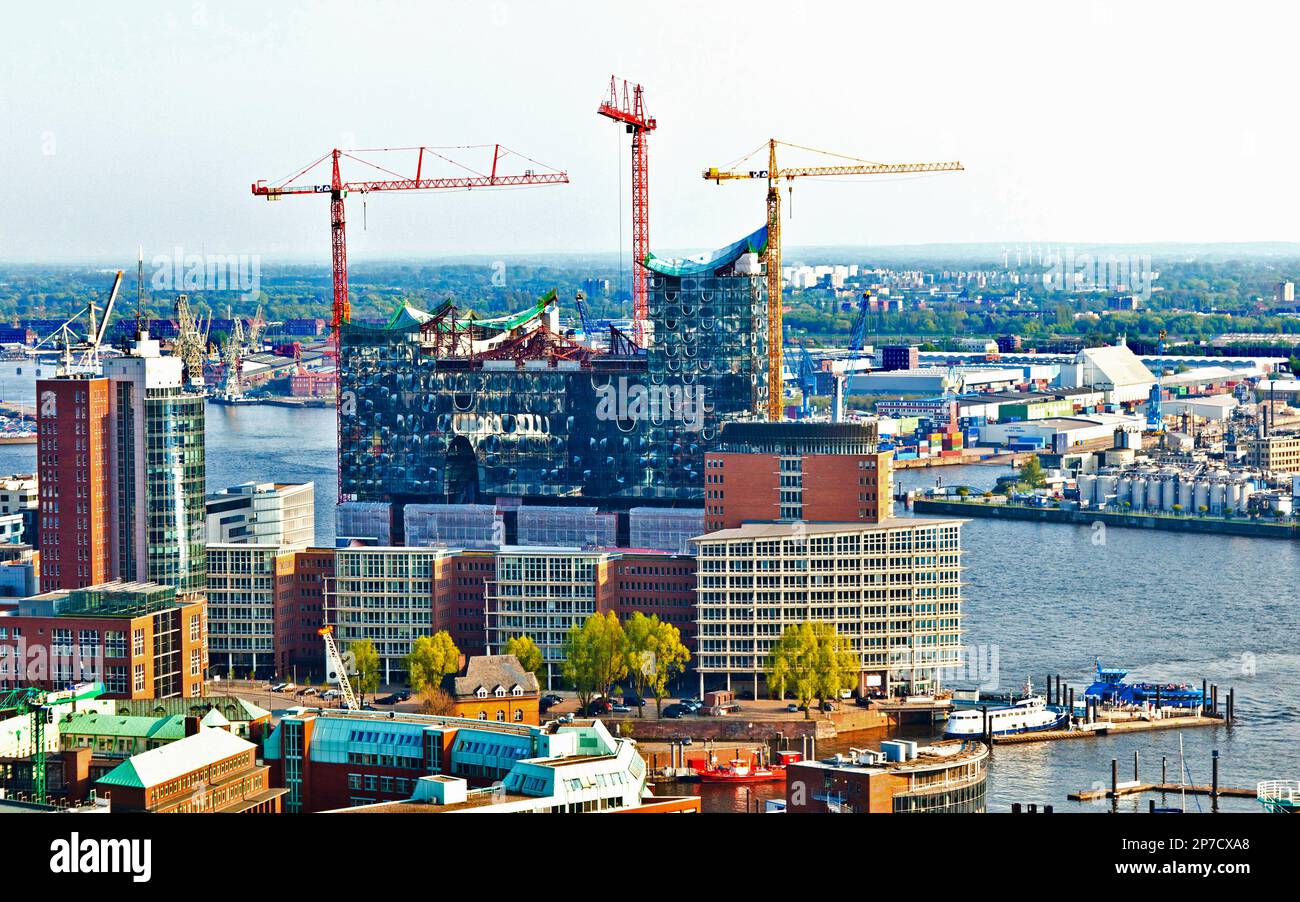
(191, 726)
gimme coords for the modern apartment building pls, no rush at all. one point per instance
(120, 461)
(797, 471)
(241, 609)
(893, 588)
(139, 639)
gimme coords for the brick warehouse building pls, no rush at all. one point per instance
(797, 471)
(139, 639)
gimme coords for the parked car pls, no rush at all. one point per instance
(387, 700)
(310, 690)
(279, 687)
(691, 702)
(598, 706)
(330, 694)
(620, 709)
(634, 700)
(552, 699)
(404, 695)
(676, 711)
(827, 706)
(792, 708)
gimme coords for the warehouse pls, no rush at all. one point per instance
(1058, 432)
(1209, 407)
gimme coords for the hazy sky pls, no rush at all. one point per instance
(139, 122)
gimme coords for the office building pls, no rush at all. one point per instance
(266, 513)
(892, 588)
(797, 471)
(140, 640)
(945, 778)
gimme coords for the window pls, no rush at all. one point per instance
(194, 628)
(482, 715)
(501, 716)
(519, 715)
(139, 678)
(137, 643)
(195, 665)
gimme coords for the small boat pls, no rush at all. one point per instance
(1027, 715)
(738, 770)
(1109, 689)
(1279, 796)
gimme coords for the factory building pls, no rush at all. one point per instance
(438, 408)
(797, 471)
(1277, 453)
(892, 588)
(1114, 369)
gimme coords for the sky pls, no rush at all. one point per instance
(145, 123)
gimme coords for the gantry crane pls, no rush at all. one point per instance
(338, 190)
(88, 347)
(628, 107)
(335, 662)
(774, 177)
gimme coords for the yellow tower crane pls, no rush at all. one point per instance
(774, 176)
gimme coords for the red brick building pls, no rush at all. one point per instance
(138, 639)
(655, 584)
(828, 472)
(72, 463)
(459, 602)
(299, 610)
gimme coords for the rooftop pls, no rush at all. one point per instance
(783, 529)
(208, 746)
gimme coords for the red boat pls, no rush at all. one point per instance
(738, 770)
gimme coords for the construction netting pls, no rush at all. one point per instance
(453, 525)
(754, 243)
(369, 521)
(576, 527)
(665, 528)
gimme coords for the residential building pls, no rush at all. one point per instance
(211, 771)
(74, 431)
(497, 688)
(797, 471)
(139, 639)
(266, 513)
(157, 465)
(892, 588)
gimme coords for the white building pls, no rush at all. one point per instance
(893, 588)
(264, 513)
(241, 608)
(1114, 369)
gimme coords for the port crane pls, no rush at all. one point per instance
(774, 175)
(628, 107)
(87, 347)
(334, 660)
(38, 706)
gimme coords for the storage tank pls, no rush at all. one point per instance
(1139, 492)
(1106, 485)
(1153, 493)
(1123, 490)
(1088, 488)
(1201, 498)
(1218, 494)
(1168, 493)
(1247, 490)
(1233, 501)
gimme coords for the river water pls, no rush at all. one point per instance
(1040, 598)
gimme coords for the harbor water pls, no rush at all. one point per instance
(1040, 598)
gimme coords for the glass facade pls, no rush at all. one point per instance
(434, 409)
(175, 483)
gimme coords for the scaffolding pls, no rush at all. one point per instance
(453, 526)
(665, 528)
(570, 527)
(369, 521)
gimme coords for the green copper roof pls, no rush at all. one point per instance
(94, 723)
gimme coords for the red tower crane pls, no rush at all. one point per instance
(628, 107)
(392, 180)
(338, 189)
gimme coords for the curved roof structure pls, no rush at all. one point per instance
(753, 243)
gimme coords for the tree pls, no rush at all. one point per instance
(655, 656)
(431, 659)
(527, 653)
(595, 655)
(791, 664)
(836, 666)
(1031, 473)
(365, 667)
(438, 701)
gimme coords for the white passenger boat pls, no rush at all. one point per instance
(1027, 715)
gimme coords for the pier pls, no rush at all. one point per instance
(1136, 786)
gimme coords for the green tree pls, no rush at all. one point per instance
(528, 654)
(656, 655)
(791, 665)
(835, 664)
(595, 655)
(431, 658)
(1031, 473)
(365, 667)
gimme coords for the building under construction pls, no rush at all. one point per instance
(442, 407)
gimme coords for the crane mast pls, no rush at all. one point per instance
(774, 175)
(335, 661)
(628, 107)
